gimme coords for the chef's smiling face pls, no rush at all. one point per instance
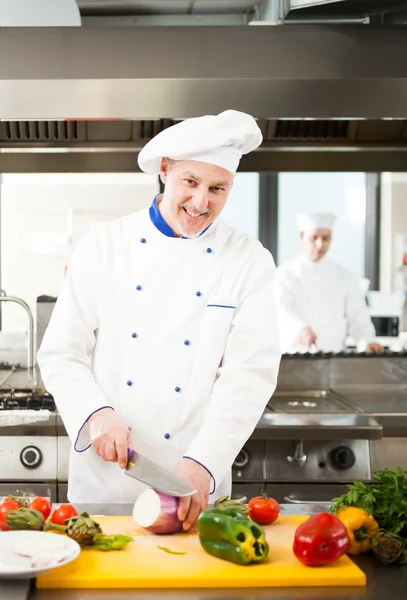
(194, 195)
(315, 243)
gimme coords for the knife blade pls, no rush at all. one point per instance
(145, 470)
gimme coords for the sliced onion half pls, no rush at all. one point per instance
(157, 512)
(45, 553)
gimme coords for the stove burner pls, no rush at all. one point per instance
(310, 401)
(26, 400)
(304, 403)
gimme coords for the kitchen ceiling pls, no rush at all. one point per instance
(377, 11)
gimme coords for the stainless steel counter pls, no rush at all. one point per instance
(381, 581)
(317, 426)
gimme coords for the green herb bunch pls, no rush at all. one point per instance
(385, 499)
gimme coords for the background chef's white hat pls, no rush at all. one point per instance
(307, 221)
(220, 140)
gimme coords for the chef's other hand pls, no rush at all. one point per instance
(307, 336)
(374, 348)
(190, 507)
(109, 436)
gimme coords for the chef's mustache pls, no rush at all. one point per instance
(193, 210)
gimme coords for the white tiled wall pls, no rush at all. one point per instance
(393, 224)
(43, 217)
(344, 194)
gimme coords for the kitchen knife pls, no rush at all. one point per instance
(145, 470)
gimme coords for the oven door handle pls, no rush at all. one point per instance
(291, 500)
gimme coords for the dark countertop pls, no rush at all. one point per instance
(381, 580)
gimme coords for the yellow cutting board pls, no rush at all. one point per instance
(143, 565)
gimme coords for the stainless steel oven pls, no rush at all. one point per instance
(29, 448)
(300, 471)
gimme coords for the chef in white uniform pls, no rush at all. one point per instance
(319, 302)
(164, 336)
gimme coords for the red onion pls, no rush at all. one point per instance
(157, 512)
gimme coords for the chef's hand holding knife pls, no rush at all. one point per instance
(109, 436)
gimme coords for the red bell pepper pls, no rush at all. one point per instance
(320, 540)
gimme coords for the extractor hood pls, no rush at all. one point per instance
(288, 145)
(327, 98)
(177, 72)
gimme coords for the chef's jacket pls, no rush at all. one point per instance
(178, 335)
(327, 298)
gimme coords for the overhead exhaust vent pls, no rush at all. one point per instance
(310, 130)
(40, 131)
(148, 129)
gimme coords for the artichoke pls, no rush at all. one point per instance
(225, 502)
(25, 518)
(82, 529)
(388, 547)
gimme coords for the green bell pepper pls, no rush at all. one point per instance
(229, 534)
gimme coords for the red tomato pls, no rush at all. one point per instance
(263, 510)
(41, 504)
(63, 512)
(5, 507)
(12, 499)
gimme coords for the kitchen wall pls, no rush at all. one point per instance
(42, 219)
(343, 194)
(44, 216)
(393, 276)
(242, 208)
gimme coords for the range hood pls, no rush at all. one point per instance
(178, 72)
(87, 99)
(53, 146)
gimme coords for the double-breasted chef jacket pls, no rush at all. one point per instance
(179, 336)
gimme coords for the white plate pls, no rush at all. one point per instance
(51, 549)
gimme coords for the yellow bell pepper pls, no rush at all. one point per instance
(361, 528)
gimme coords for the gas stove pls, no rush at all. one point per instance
(25, 399)
(309, 401)
(34, 454)
(297, 459)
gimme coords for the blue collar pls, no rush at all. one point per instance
(158, 221)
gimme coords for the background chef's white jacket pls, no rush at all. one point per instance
(179, 336)
(324, 296)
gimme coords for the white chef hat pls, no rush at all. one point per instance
(308, 221)
(220, 140)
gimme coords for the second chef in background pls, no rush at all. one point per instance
(319, 302)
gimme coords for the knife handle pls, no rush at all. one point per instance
(130, 451)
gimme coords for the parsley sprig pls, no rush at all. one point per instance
(385, 499)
